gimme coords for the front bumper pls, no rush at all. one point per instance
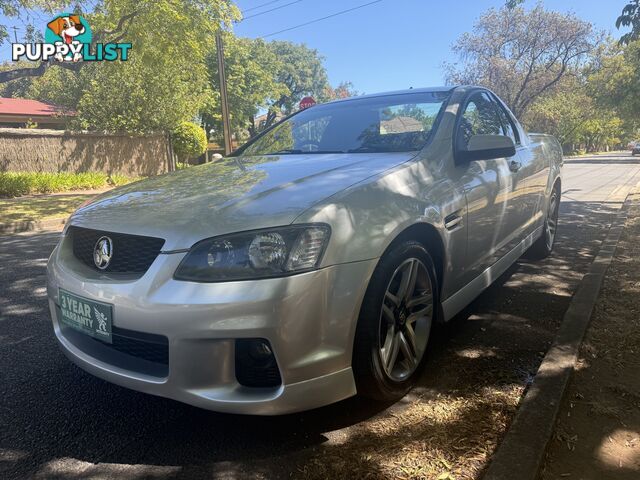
(308, 319)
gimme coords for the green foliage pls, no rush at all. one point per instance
(513, 3)
(250, 67)
(263, 76)
(15, 184)
(182, 165)
(572, 114)
(630, 17)
(57, 86)
(165, 80)
(13, 8)
(615, 83)
(172, 75)
(189, 140)
(117, 179)
(522, 54)
(163, 83)
(301, 72)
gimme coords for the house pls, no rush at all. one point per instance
(20, 112)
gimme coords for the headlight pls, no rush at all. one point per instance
(259, 254)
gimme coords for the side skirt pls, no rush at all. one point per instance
(463, 297)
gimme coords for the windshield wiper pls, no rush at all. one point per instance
(292, 151)
(365, 150)
(379, 150)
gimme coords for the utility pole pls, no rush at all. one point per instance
(15, 33)
(224, 101)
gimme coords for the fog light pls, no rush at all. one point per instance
(260, 351)
(256, 364)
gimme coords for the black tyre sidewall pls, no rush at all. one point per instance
(539, 249)
(371, 379)
(556, 214)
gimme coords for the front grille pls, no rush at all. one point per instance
(131, 350)
(154, 348)
(131, 253)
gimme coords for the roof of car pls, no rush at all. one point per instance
(398, 92)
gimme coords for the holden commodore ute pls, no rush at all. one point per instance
(311, 264)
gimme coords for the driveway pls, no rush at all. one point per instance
(58, 422)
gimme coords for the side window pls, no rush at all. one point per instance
(479, 118)
(507, 124)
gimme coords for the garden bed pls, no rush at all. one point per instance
(17, 184)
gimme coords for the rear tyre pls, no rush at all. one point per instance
(543, 247)
(395, 322)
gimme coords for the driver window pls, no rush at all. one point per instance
(479, 118)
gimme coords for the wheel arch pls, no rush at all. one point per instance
(427, 235)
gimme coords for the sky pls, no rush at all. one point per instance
(390, 45)
(394, 44)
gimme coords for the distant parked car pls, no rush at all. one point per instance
(635, 149)
(313, 264)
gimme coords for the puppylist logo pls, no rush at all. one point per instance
(67, 38)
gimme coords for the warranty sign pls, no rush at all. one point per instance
(87, 316)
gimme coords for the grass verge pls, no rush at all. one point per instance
(16, 184)
(40, 207)
(443, 437)
(598, 429)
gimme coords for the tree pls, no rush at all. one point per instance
(562, 114)
(111, 21)
(572, 115)
(163, 83)
(521, 54)
(250, 66)
(630, 17)
(343, 90)
(301, 71)
(615, 83)
(513, 3)
(13, 8)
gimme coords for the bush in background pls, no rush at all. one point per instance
(16, 184)
(189, 141)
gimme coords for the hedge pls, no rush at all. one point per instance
(16, 184)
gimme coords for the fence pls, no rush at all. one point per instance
(39, 150)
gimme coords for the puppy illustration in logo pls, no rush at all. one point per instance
(67, 28)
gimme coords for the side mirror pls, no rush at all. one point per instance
(487, 147)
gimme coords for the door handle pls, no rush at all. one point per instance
(514, 166)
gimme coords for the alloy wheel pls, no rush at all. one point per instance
(405, 319)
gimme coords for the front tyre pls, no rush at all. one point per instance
(395, 322)
(543, 247)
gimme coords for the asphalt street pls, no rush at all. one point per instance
(58, 422)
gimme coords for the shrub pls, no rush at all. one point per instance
(15, 184)
(189, 141)
(116, 179)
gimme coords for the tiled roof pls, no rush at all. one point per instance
(32, 108)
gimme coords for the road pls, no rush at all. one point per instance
(59, 422)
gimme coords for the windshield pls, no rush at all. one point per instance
(393, 123)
